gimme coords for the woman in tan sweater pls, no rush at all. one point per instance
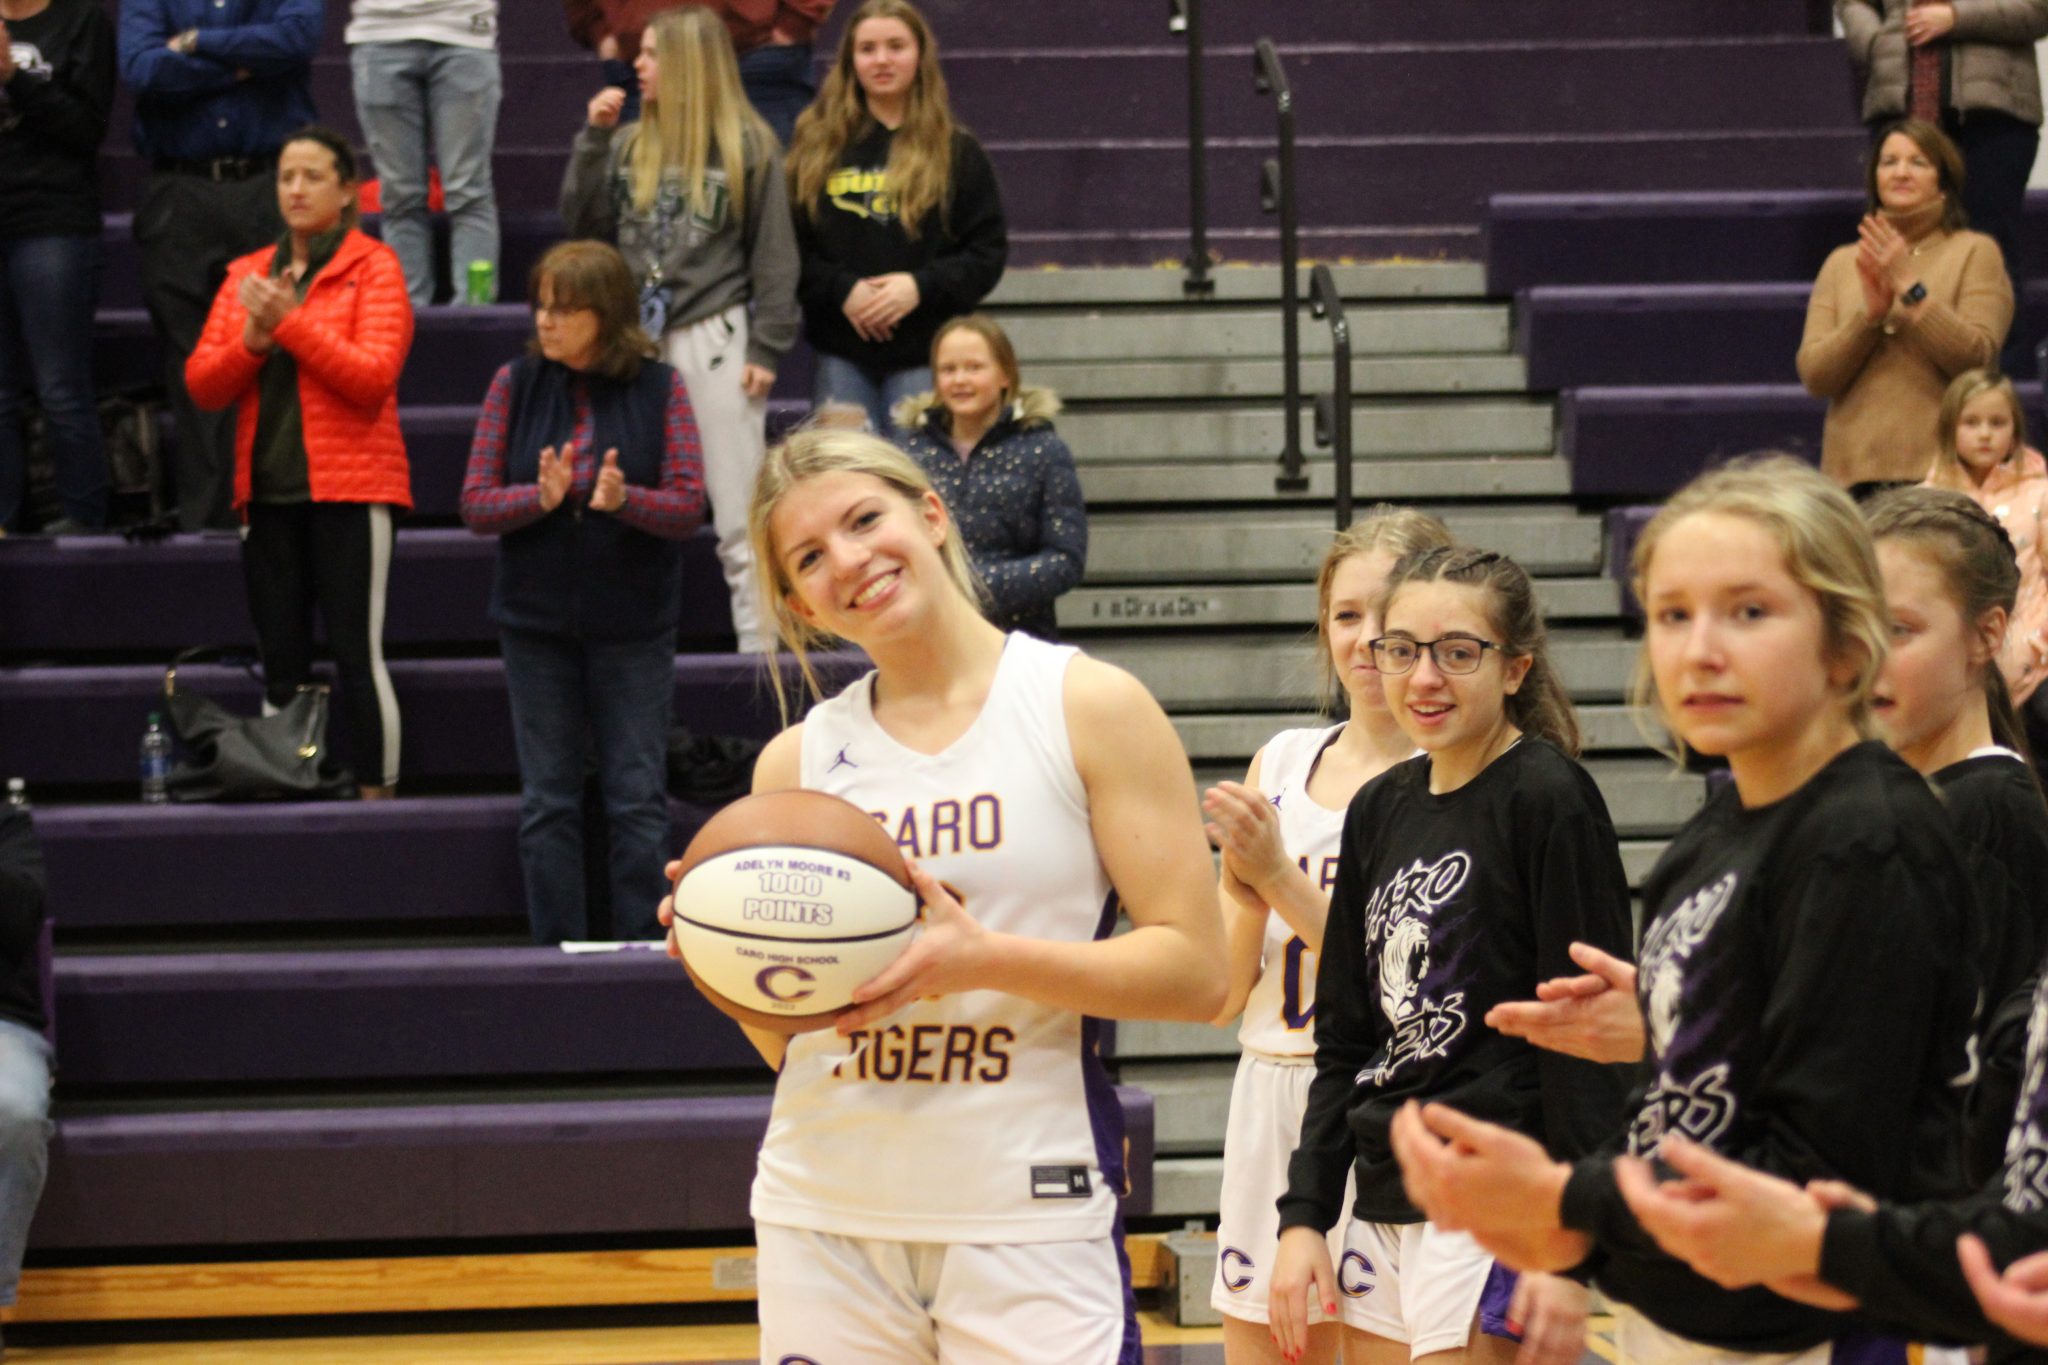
(1917, 299)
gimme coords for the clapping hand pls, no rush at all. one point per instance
(609, 493)
(1594, 1016)
(2016, 1300)
(557, 472)
(1929, 23)
(1886, 248)
(756, 380)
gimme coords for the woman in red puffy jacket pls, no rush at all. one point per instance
(307, 339)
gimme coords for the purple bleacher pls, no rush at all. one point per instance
(1411, 113)
(1685, 334)
(669, 1165)
(384, 1015)
(1729, 236)
(1644, 442)
(189, 590)
(153, 868)
(1576, 335)
(1787, 82)
(79, 725)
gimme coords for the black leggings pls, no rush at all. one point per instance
(336, 556)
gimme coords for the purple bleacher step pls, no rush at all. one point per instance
(80, 725)
(1076, 186)
(1732, 236)
(1340, 86)
(124, 867)
(976, 25)
(1678, 334)
(383, 1015)
(310, 1176)
(1643, 443)
(189, 590)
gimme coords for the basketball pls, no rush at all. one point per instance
(785, 903)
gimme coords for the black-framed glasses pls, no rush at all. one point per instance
(1452, 654)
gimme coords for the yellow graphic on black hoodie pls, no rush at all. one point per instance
(862, 192)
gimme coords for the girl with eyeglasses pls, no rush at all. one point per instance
(1465, 874)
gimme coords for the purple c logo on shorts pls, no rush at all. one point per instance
(1360, 1286)
(1235, 1277)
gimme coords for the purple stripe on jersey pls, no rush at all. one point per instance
(1496, 1297)
(1106, 1123)
(1859, 1347)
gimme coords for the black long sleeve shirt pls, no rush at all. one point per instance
(1444, 906)
(2002, 824)
(1808, 978)
(53, 117)
(1900, 1260)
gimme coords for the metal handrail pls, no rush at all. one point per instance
(1185, 16)
(1276, 194)
(1333, 409)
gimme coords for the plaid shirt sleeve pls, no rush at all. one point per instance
(489, 507)
(674, 510)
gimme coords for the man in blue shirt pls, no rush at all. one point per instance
(219, 84)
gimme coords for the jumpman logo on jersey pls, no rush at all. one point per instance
(842, 760)
(1276, 799)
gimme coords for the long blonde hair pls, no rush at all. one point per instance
(1826, 550)
(1967, 387)
(1401, 531)
(808, 453)
(698, 108)
(920, 172)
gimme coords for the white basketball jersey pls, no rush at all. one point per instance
(1279, 1015)
(980, 1117)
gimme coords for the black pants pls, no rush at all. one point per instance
(189, 228)
(336, 556)
(1998, 156)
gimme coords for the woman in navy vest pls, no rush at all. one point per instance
(587, 466)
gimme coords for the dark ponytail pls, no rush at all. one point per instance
(1540, 706)
(1977, 564)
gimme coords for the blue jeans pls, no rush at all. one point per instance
(408, 95)
(566, 693)
(24, 1142)
(49, 287)
(838, 380)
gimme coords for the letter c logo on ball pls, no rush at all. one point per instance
(769, 981)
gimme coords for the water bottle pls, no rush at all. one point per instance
(156, 762)
(17, 794)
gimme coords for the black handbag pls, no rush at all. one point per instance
(226, 757)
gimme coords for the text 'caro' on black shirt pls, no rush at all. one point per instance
(1808, 981)
(1444, 906)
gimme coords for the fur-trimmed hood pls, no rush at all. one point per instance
(1032, 407)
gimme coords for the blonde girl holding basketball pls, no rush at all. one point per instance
(940, 1176)
(1279, 831)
